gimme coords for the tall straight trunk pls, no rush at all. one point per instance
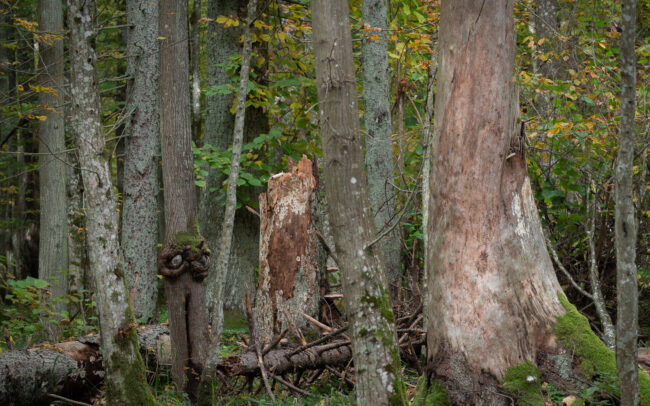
(219, 125)
(142, 146)
(626, 226)
(226, 237)
(124, 370)
(379, 145)
(184, 258)
(493, 294)
(545, 25)
(53, 248)
(195, 34)
(365, 289)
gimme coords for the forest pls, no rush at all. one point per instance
(324, 202)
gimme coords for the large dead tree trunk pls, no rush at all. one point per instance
(493, 299)
(287, 282)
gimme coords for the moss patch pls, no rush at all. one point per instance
(191, 237)
(134, 390)
(430, 395)
(522, 382)
(574, 332)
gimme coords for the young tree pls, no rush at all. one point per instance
(53, 248)
(184, 257)
(376, 357)
(626, 226)
(493, 294)
(124, 370)
(142, 146)
(379, 145)
(223, 42)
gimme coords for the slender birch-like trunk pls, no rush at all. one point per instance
(625, 222)
(125, 374)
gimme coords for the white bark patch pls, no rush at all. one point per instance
(353, 180)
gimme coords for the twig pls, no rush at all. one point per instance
(333, 346)
(274, 342)
(320, 340)
(316, 322)
(72, 402)
(260, 363)
(328, 249)
(289, 385)
(340, 375)
(563, 269)
(417, 320)
(296, 333)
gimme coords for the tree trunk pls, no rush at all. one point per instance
(377, 362)
(53, 248)
(125, 373)
(626, 226)
(287, 282)
(195, 33)
(141, 182)
(379, 144)
(226, 237)
(219, 125)
(72, 369)
(493, 295)
(184, 258)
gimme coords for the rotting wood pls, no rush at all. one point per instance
(289, 253)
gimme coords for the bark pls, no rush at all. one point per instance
(195, 33)
(287, 282)
(625, 223)
(142, 147)
(184, 258)
(427, 137)
(493, 294)
(377, 363)
(282, 361)
(53, 248)
(225, 240)
(77, 250)
(124, 370)
(72, 369)
(379, 144)
(219, 126)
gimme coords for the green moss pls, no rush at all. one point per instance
(135, 390)
(430, 395)
(522, 382)
(191, 237)
(574, 332)
(207, 391)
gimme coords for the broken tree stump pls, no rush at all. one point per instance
(289, 256)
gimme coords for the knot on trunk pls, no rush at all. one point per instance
(174, 259)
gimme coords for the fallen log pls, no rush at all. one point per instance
(70, 369)
(283, 360)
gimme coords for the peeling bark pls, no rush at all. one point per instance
(287, 282)
(492, 300)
